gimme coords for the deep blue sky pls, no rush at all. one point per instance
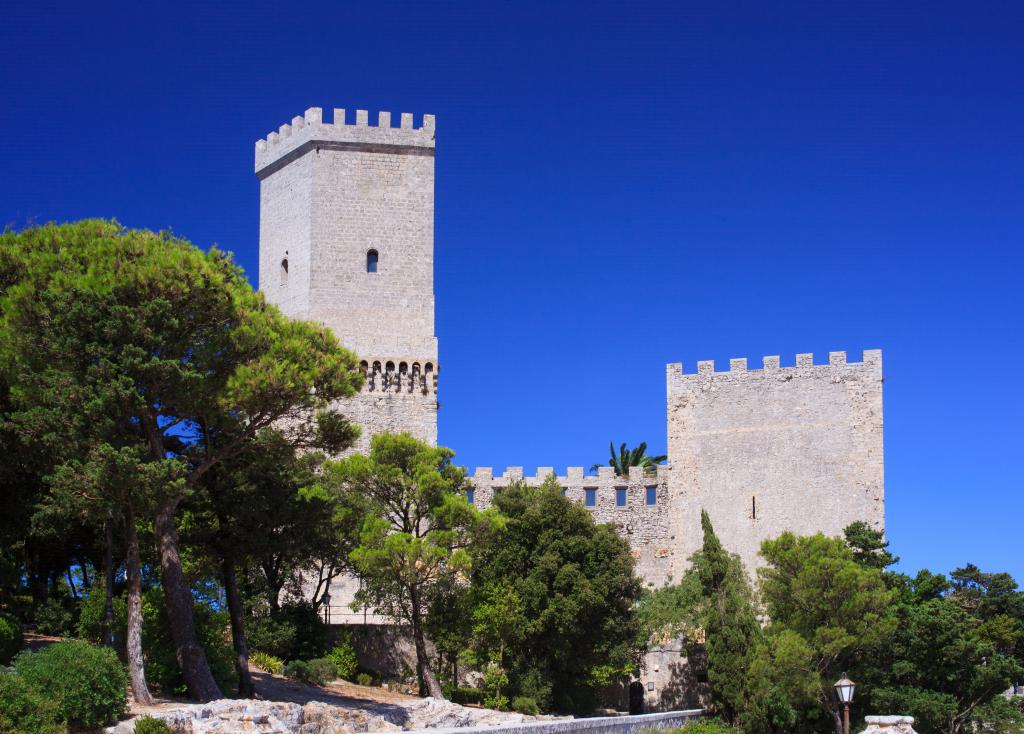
(619, 185)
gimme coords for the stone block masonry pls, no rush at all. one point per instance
(780, 448)
(347, 239)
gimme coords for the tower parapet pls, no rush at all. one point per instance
(310, 131)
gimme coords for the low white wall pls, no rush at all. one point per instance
(595, 725)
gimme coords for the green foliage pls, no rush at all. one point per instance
(567, 590)
(525, 705)
(343, 655)
(317, 672)
(140, 348)
(267, 662)
(91, 612)
(149, 725)
(273, 636)
(24, 710)
(415, 524)
(364, 679)
(827, 611)
(626, 458)
(87, 683)
(869, 546)
(954, 652)
(161, 659)
(10, 638)
(465, 695)
(53, 617)
(730, 623)
(672, 611)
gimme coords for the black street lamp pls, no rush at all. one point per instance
(844, 692)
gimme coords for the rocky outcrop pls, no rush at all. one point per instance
(889, 725)
(230, 716)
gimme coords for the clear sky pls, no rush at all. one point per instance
(619, 185)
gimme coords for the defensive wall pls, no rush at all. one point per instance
(640, 516)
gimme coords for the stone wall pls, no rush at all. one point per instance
(780, 448)
(647, 527)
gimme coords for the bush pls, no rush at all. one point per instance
(525, 705)
(10, 638)
(314, 672)
(274, 637)
(149, 725)
(364, 679)
(88, 684)
(469, 695)
(91, 611)
(25, 711)
(343, 656)
(52, 617)
(266, 662)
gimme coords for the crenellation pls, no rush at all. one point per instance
(310, 130)
(837, 359)
(738, 365)
(805, 360)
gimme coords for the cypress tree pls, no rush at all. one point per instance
(730, 622)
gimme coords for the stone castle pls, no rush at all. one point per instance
(347, 239)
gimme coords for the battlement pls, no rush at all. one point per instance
(310, 131)
(575, 476)
(871, 361)
(394, 376)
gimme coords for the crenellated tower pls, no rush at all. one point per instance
(347, 239)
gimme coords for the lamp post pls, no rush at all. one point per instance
(326, 600)
(844, 692)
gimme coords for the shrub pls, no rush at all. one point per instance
(91, 611)
(52, 617)
(266, 662)
(343, 656)
(469, 695)
(25, 711)
(88, 684)
(149, 725)
(364, 679)
(525, 705)
(274, 637)
(10, 638)
(314, 672)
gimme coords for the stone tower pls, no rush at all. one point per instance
(347, 239)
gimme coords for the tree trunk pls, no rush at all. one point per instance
(109, 635)
(136, 662)
(245, 686)
(178, 597)
(427, 679)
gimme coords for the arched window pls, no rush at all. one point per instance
(371, 261)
